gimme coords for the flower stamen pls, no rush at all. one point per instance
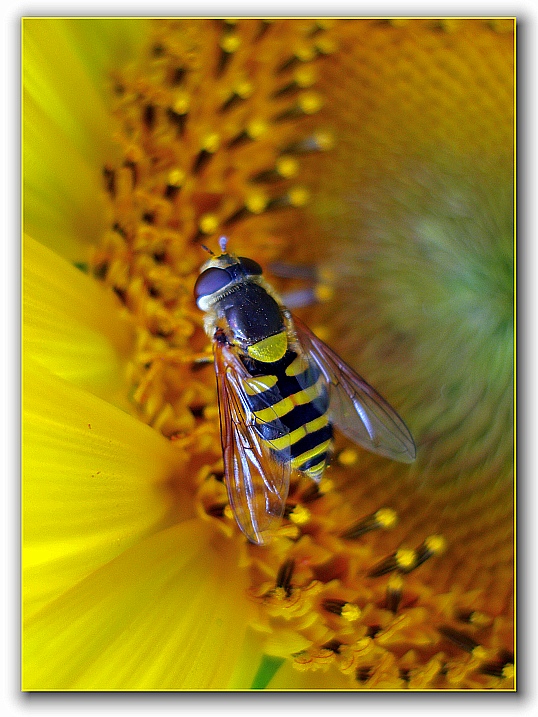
(405, 560)
(283, 578)
(394, 593)
(384, 518)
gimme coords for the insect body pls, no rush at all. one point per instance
(281, 390)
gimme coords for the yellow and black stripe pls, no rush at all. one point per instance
(293, 398)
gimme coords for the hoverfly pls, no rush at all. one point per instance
(280, 391)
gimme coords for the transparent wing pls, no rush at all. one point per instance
(256, 481)
(355, 407)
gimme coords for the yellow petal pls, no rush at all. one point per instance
(67, 127)
(71, 325)
(168, 614)
(93, 483)
(248, 662)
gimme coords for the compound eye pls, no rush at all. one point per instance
(210, 281)
(250, 266)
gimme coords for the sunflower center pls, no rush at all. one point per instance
(214, 125)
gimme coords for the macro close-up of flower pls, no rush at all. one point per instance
(367, 165)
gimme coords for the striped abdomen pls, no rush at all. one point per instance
(295, 396)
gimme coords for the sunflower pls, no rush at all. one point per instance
(378, 156)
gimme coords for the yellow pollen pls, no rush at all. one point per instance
(304, 76)
(405, 558)
(256, 202)
(326, 45)
(326, 485)
(386, 517)
(176, 177)
(211, 413)
(244, 89)
(449, 24)
(310, 102)
(228, 513)
(351, 612)
(230, 43)
(211, 142)
(257, 128)
(325, 23)
(502, 25)
(479, 652)
(305, 52)
(324, 140)
(508, 671)
(436, 544)
(300, 515)
(298, 196)
(326, 275)
(182, 103)
(279, 595)
(348, 457)
(395, 583)
(324, 292)
(479, 619)
(287, 166)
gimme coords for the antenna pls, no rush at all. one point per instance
(208, 250)
(223, 241)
